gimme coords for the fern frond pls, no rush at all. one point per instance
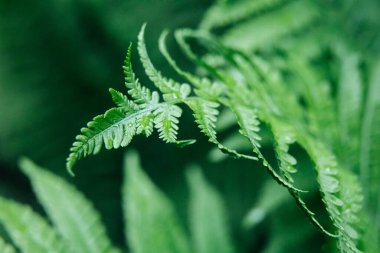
(114, 128)
(205, 114)
(210, 232)
(249, 127)
(28, 230)
(349, 104)
(150, 218)
(370, 146)
(321, 110)
(265, 30)
(117, 126)
(166, 122)
(72, 214)
(164, 51)
(122, 100)
(352, 198)
(183, 34)
(223, 13)
(341, 194)
(284, 136)
(204, 87)
(170, 88)
(139, 93)
(5, 247)
(145, 124)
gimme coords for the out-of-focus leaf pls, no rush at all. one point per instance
(370, 147)
(72, 214)
(28, 230)
(6, 248)
(151, 221)
(208, 219)
(265, 29)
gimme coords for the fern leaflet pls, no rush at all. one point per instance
(71, 213)
(29, 231)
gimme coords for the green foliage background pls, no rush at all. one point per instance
(57, 60)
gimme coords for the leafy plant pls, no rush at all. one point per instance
(151, 222)
(269, 87)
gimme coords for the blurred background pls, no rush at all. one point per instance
(57, 60)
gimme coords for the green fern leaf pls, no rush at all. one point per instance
(122, 100)
(349, 104)
(205, 114)
(265, 30)
(72, 214)
(145, 124)
(166, 121)
(151, 222)
(223, 13)
(194, 80)
(370, 146)
(6, 248)
(114, 129)
(284, 135)
(341, 195)
(139, 93)
(28, 230)
(210, 232)
(249, 127)
(171, 89)
(182, 35)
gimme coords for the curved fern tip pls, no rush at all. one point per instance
(69, 167)
(142, 30)
(71, 172)
(163, 36)
(25, 163)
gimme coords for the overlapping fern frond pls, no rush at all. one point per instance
(259, 81)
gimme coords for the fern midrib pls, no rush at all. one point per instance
(129, 117)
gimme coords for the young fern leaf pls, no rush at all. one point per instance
(28, 230)
(114, 128)
(166, 122)
(5, 247)
(182, 35)
(117, 126)
(204, 87)
(72, 214)
(171, 90)
(122, 100)
(194, 80)
(139, 93)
